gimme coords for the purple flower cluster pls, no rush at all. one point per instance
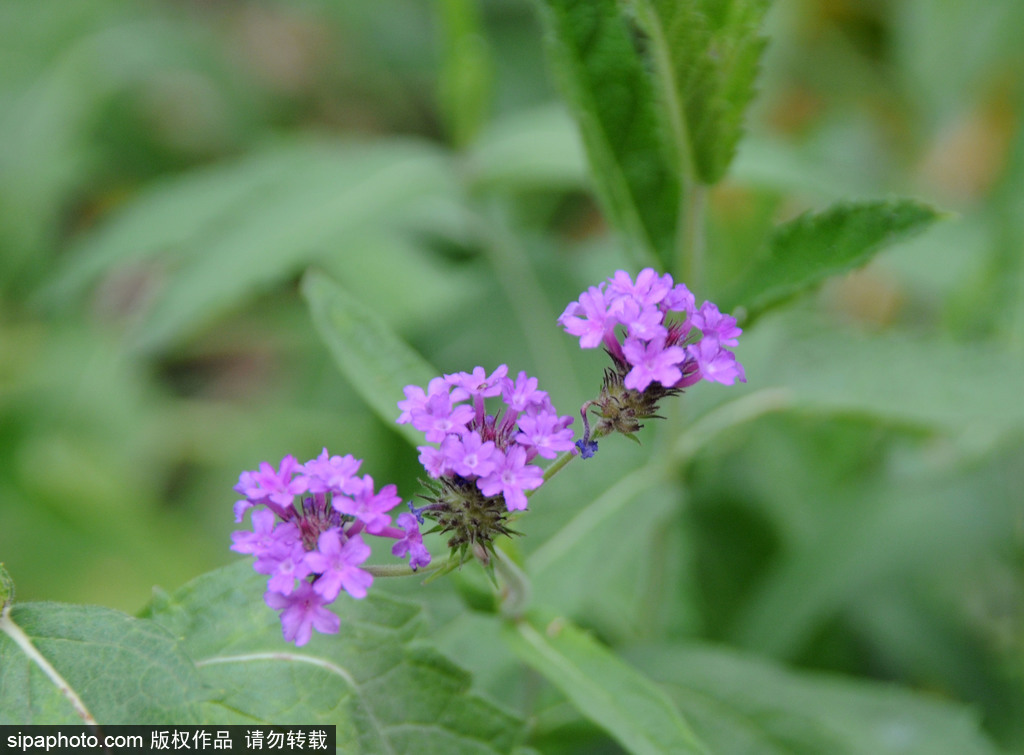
(493, 452)
(668, 339)
(307, 536)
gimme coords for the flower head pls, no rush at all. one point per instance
(659, 342)
(482, 464)
(308, 525)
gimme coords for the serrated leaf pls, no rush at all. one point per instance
(82, 664)
(814, 246)
(706, 55)
(606, 690)
(605, 81)
(377, 362)
(741, 703)
(377, 681)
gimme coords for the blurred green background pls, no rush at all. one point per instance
(168, 170)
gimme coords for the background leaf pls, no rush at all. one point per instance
(374, 359)
(124, 670)
(898, 377)
(739, 703)
(603, 688)
(612, 99)
(377, 681)
(209, 241)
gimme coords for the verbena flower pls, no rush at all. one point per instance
(308, 527)
(482, 461)
(659, 342)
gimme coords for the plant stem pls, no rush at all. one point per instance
(404, 570)
(564, 458)
(515, 586)
(690, 260)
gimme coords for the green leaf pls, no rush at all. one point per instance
(84, 664)
(201, 245)
(895, 376)
(377, 681)
(610, 92)
(706, 55)
(538, 148)
(6, 588)
(467, 70)
(814, 246)
(888, 531)
(603, 688)
(607, 542)
(741, 703)
(376, 361)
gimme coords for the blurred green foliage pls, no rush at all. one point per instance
(168, 171)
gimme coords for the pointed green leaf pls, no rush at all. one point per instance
(376, 361)
(741, 703)
(606, 690)
(84, 664)
(706, 55)
(376, 680)
(810, 248)
(200, 245)
(612, 98)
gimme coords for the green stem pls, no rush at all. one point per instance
(735, 412)
(563, 459)
(516, 588)
(691, 247)
(404, 570)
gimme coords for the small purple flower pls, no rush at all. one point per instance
(522, 394)
(648, 290)
(680, 299)
(587, 448)
(713, 324)
(285, 566)
(652, 362)
(260, 539)
(715, 363)
(301, 612)
(331, 473)
(368, 507)
(439, 417)
(412, 543)
(587, 318)
(338, 566)
(416, 398)
(434, 460)
(511, 478)
(469, 455)
(646, 323)
(545, 433)
(478, 382)
(276, 486)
